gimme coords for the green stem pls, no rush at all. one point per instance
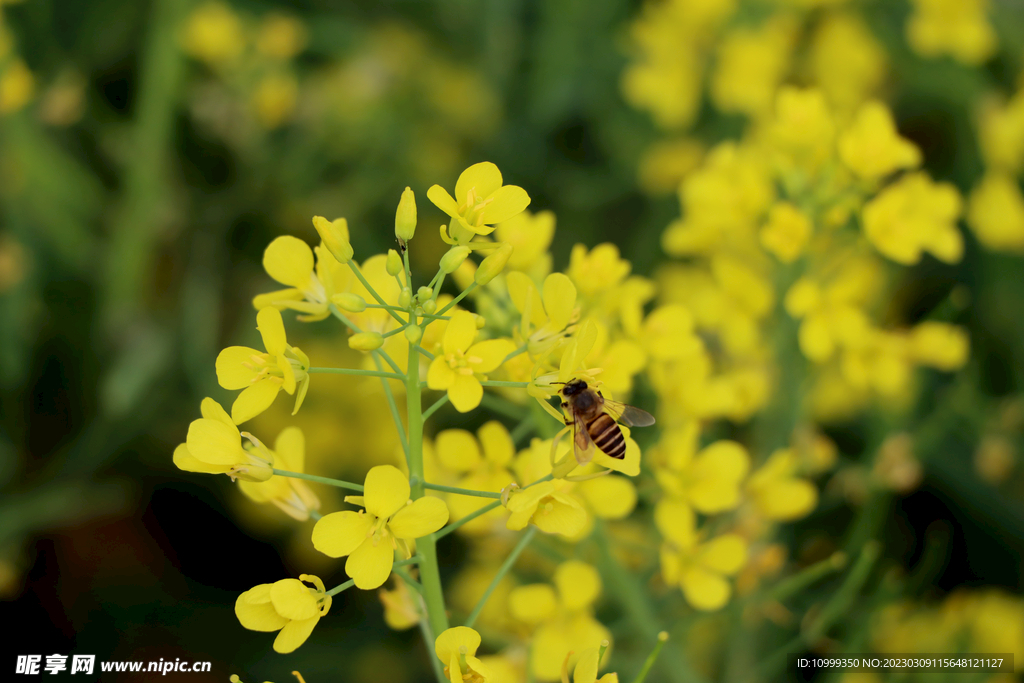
(405, 576)
(336, 312)
(412, 560)
(505, 567)
(395, 331)
(426, 353)
(434, 408)
(340, 587)
(662, 638)
(521, 349)
(320, 480)
(457, 299)
(373, 292)
(353, 371)
(501, 383)
(428, 640)
(796, 583)
(503, 406)
(430, 575)
(468, 518)
(461, 492)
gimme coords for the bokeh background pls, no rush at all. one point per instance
(150, 150)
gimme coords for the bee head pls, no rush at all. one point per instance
(573, 387)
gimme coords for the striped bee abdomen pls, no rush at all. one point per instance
(607, 436)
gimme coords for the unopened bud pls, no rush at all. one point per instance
(453, 259)
(350, 302)
(424, 293)
(335, 237)
(394, 263)
(366, 341)
(405, 217)
(413, 333)
(429, 306)
(405, 297)
(479, 321)
(492, 266)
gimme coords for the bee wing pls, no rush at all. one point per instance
(583, 447)
(630, 416)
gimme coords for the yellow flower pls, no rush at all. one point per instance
(587, 666)
(263, 375)
(480, 201)
(458, 369)
(289, 260)
(287, 606)
(802, 133)
(871, 147)
(914, 215)
(598, 270)
(213, 33)
(777, 493)
(939, 345)
(290, 494)
(390, 522)
(751, 62)
(954, 27)
(401, 610)
(1001, 133)
(456, 648)
(550, 510)
(847, 61)
(530, 236)
(16, 86)
(546, 313)
(563, 616)
(482, 463)
(699, 567)
(281, 36)
(708, 480)
(786, 233)
(995, 212)
(214, 446)
(274, 99)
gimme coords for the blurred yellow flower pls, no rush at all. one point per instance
(995, 212)
(281, 36)
(787, 232)
(871, 147)
(389, 523)
(848, 62)
(291, 495)
(274, 99)
(776, 490)
(959, 28)
(214, 34)
(914, 215)
(550, 510)
(214, 446)
(262, 375)
(456, 648)
(287, 606)
(289, 260)
(751, 63)
(17, 85)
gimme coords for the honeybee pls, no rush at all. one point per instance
(595, 420)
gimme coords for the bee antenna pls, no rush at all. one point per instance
(558, 382)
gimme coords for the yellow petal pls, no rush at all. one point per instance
(578, 583)
(484, 178)
(457, 450)
(533, 603)
(497, 443)
(448, 644)
(271, 327)
(704, 590)
(609, 497)
(184, 460)
(566, 516)
(370, 565)
(235, 367)
(676, 521)
(507, 202)
(460, 332)
(215, 443)
(289, 260)
(786, 500)
(385, 491)
(290, 447)
(255, 399)
(288, 373)
(293, 599)
(492, 353)
(465, 393)
(630, 462)
(586, 667)
(442, 200)
(255, 611)
(278, 299)
(440, 375)
(340, 533)
(725, 554)
(294, 634)
(559, 299)
(425, 516)
(212, 410)
(525, 297)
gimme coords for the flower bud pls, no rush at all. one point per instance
(414, 333)
(366, 341)
(453, 259)
(492, 266)
(394, 263)
(350, 302)
(335, 237)
(424, 293)
(405, 217)
(429, 306)
(405, 297)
